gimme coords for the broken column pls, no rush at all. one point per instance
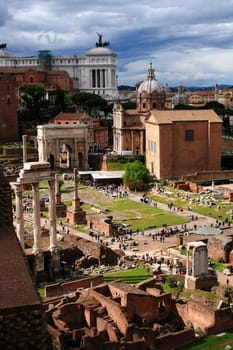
(60, 206)
(197, 274)
(76, 215)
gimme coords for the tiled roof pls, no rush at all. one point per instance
(170, 116)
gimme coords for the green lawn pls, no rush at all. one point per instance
(212, 342)
(140, 216)
(180, 201)
(129, 276)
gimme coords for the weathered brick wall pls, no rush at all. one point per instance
(24, 328)
(220, 247)
(104, 254)
(114, 311)
(5, 202)
(209, 175)
(73, 315)
(103, 225)
(157, 308)
(214, 320)
(60, 288)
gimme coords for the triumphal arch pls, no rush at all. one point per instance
(65, 146)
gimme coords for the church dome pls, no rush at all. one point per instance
(151, 84)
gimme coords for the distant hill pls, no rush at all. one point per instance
(186, 88)
(126, 87)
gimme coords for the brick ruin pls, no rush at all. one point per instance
(116, 316)
(89, 314)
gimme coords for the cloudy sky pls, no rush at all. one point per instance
(187, 41)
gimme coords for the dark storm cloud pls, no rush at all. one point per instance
(186, 40)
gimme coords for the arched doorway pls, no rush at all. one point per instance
(65, 156)
(80, 160)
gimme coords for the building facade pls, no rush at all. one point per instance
(95, 72)
(182, 142)
(8, 110)
(129, 125)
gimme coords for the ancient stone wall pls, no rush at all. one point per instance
(214, 320)
(104, 254)
(219, 247)
(23, 328)
(209, 175)
(56, 289)
(114, 311)
(103, 225)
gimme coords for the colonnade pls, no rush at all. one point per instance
(99, 78)
(18, 189)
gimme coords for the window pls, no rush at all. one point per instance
(189, 135)
(154, 147)
(152, 168)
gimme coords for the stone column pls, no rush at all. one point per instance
(76, 200)
(57, 160)
(36, 218)
(132, 141)
(52, 216)
(24, 149)
(75, 153)
(141, 140)
(19, 213)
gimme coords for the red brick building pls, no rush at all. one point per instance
(8, 109)
(49, 80)
(183, 142)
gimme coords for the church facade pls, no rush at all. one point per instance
(95, 72)
(181, 142)
(129, 125)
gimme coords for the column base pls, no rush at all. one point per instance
(76, 217)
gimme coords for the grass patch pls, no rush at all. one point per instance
(41, 292)
(218, 266)
(129, 276)
(212, 342)
(178, 199)
(141, 216)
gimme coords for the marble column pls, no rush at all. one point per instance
(52, 216)
(24, 149)
(19, 213)
(36, 218)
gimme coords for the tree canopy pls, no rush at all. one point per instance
(89, 102)
(136, 176)
(33, 95)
